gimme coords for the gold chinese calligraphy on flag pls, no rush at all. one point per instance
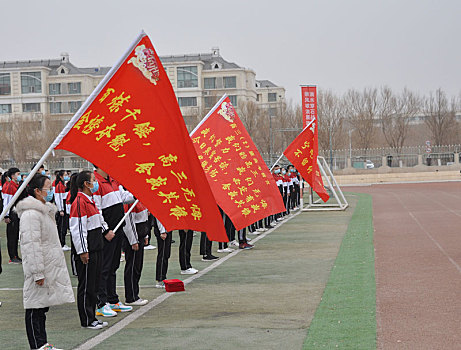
(302, 153)
(135, 132)
(240, 180)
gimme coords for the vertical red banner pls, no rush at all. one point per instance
(309, 103)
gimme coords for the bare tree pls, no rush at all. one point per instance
(330, 120)
(440, 117)
(362, 109)
(396, 112)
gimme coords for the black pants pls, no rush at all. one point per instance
(242, 235)
(62, 223)
(107, 292)
(134, 260)
(230, 228)
(12, 235)
(35, 327)
(205, 245)
(89, 276)
(163, 254)
(185, 245)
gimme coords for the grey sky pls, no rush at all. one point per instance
(335, 44)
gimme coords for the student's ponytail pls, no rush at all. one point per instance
(77, 183)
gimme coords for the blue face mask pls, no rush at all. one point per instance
(66, 178)
(277, 171)
(284, 171)
(43, 172)
(49, 196)
(95, 187)
(19, 178)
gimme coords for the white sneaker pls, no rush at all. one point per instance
(105, 311)
(122, 257)
(225, 250)
(103, 324)
(150, 247)
(94, 325)
(234, 243)
(65, 248)
(48, 346)
(195, 270)
(160, 284)
(139, 302)
(261, 229)
(189, 271)
(248, 239)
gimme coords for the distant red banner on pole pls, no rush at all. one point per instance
(240, 180)
(135, 132)
(302, 153)
(309, 103)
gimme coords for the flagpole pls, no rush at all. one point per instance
(272, 167)
(209, 113)
(71, 123)
(126, 215)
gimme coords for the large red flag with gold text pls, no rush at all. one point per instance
(302, 153)
(134, 130)
(240, 180)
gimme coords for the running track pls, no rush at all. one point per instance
(418, 264)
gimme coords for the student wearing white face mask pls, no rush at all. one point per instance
(46, 280)
(11, 219)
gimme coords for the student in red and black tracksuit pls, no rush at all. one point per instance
(295, 193)
(286, 191)
(136, 230)
(88, 231)
(109, 199)
(9, 189)
(163, 253)
(276, 173)
(67, 218)
(185, 245)
(59, 199)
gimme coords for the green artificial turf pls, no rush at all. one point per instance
(346, 316)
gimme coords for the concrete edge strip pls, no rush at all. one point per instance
(98, 339)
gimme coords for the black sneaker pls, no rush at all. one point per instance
(209, 258)
(16, 260)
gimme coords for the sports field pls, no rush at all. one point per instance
(309, 283)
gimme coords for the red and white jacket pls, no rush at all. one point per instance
(9, 189)
(294, 179)
(109, 199)
(86, 225)
(60, 195)
(68, 204)
(137, 217)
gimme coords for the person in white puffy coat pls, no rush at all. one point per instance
(46, 279)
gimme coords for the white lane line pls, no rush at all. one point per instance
(92, 342)
(429, 235)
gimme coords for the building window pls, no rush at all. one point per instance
(74, 106)
(31, 107)
(187, 101)
(55, 107)
(230, 82)
(74, 88)
(233, 100)
(272, 97)
(5, 109)
(31, 82)
(272, 112)
(258, 97)
(209, 83)
(5, 84)
(210, 101)
(55, 89)
(187, 77)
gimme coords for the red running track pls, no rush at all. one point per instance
(418, 264)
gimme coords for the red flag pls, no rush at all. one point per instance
(134, 131)
(302, 153)
(240, 180)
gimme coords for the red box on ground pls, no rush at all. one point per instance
(174, 285)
